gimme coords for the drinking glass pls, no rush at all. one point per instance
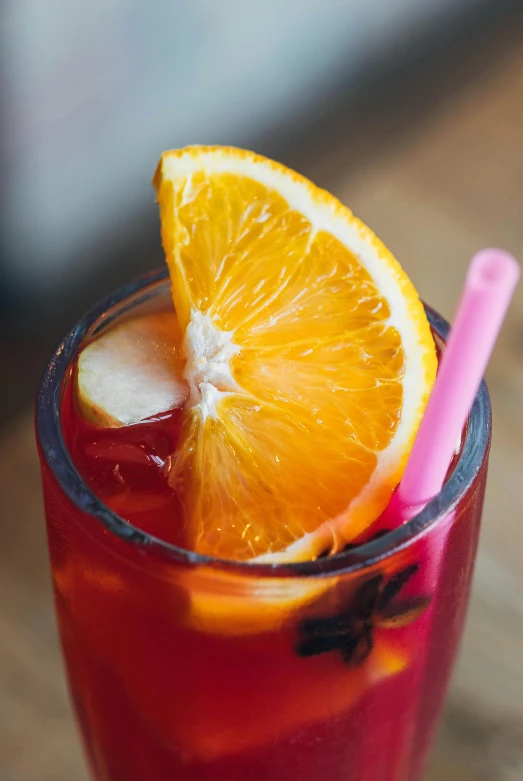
(186, 667)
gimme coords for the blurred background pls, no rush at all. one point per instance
(411, 111)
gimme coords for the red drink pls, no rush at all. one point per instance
(183, 667)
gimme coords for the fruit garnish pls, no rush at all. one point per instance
(309, 358)
(132, 372)
(306, 355)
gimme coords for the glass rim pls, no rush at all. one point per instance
(56, 455)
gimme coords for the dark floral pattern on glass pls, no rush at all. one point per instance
(376, 603)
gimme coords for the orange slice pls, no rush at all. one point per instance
(308, 358)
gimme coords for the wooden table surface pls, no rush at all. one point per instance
(452, 187)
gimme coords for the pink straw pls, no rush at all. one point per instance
(490, 283)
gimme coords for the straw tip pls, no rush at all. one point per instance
(494, 267)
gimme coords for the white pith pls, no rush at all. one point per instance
(208, 352)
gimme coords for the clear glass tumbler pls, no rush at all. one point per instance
(191, 668)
